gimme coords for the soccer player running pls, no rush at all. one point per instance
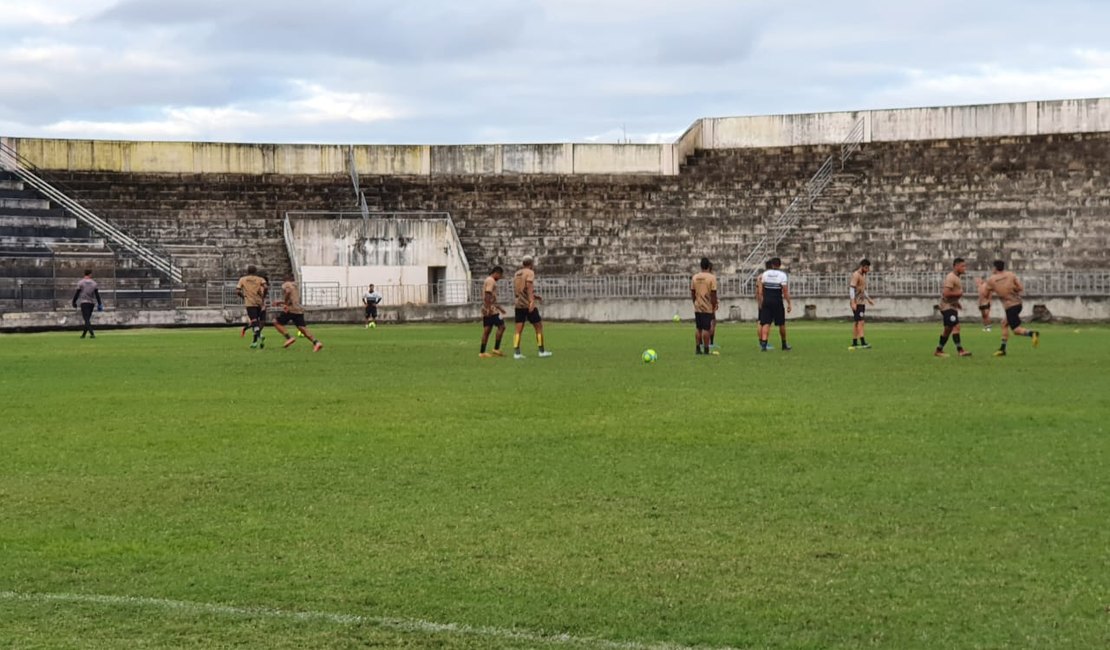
(950, 293)
(773, 298)
(88, 295)
(703, 292)
(491, 314)
(525, 299)
(857, 296)
(1008, 288)
(252, 289)
(371, 299)
(293, 311)
(984, 302)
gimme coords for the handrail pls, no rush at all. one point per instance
(360, 196)
(457, 243)
(21, 167)
(291, 248)
(814, 187)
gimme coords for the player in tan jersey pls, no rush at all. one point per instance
(252, 289)
(703, 292)
(858, 299)
(984, 302)
(491, 314)
(524, 307)
(1008, 288)
(951, 292)
(293, 311)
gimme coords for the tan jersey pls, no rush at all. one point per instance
(859, 283)
(984, 293)
(489, 287)
(521, 280)
(1007, 287)
(291, 296)
(703, 285)
(952, 283)
(254, 290)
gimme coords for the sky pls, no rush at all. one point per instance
(518, 71)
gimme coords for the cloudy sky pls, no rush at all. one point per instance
(474, 71)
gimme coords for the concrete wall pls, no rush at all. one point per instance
(946, 122)
(936, 123)
(1077, 310)
(385, 252)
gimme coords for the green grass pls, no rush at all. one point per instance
(810, 499)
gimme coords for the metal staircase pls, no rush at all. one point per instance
(11, 161)
(785, 222)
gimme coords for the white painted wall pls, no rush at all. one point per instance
(385, 252)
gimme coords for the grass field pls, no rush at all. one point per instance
(175, 489)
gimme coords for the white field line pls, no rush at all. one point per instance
(417, 626)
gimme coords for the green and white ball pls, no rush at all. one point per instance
(649, 356)
(676, 318)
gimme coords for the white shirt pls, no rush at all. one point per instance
(773, 282)
(371, 297)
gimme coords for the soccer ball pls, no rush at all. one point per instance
(676, 318)
(649, 356)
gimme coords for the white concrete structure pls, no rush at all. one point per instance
(386, 250)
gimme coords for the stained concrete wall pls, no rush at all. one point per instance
(384, 252)
(946, 122)
(935, 123)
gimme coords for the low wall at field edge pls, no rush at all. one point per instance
(894, 125)
(628, 310)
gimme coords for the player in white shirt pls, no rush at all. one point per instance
(371, 299)
(771, 294)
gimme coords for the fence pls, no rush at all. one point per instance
(37, 294)
(50, 293)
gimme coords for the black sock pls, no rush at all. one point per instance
(862, 341)
(943, 341)
(483, 348)
(956, 340)
(497, 343)
(1003, 348)
(855, 342)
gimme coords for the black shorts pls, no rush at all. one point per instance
(521, 315)
(772, 313)
(256, 314)
(371, 311)
(857, 312)
(703, 320)
(1013, 316)
(493, 320)
(950, 317)
(285, 317)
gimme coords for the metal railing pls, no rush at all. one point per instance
(54, 293)
(785, 222)
(291, 248)
(36, 294)
(12, 161)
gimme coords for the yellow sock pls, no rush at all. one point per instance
(516, 341)
(539, 340)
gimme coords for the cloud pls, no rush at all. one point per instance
(518, 70)
(1087, 76)
(312, 105)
